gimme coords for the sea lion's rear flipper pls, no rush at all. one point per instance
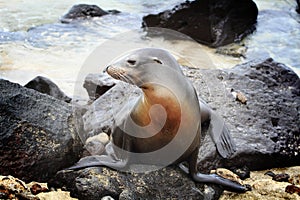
(221, 136)
(212, 178)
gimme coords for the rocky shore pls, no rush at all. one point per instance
(264, 187)
(38, 138)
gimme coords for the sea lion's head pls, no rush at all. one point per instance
(144, 66)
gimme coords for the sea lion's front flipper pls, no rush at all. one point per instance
(221, 135)
(99, 160)
(110, 159)
(217, 130)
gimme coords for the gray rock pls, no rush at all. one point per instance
(265, 129)
(46, 86)
(211, 22)
(37, 136)
(98, 84)
(95, 147)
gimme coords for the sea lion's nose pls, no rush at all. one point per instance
(105, 70)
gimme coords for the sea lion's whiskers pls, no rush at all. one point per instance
(126, 79)
(120, 77)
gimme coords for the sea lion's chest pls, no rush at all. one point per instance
(155, 119)
(160, 122)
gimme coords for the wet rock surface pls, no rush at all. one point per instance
(46, 86)
(37, 136)
(214, 23)
(84, 11)
(265, 129)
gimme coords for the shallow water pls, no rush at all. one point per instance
(33, 41)
(277, 34)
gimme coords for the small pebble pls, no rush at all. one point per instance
(242, 172)
(107, 198)
(239, 96)
(95, 147)
(292, 189)
(283, 177)
(102, 137)
(37, 188)
(295, 180)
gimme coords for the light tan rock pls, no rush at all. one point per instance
(263, 187)
(101, 137)
(225, 173)
(14, 188)
(55, 195)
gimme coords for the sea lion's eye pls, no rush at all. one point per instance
(157, 61)
(131, 62)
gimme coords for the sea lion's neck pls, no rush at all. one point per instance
(160, 95)
(157, 96)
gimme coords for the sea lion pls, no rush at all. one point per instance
(163, 126)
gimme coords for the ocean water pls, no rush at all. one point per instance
(33, 41)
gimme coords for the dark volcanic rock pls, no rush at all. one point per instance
(97, 182)
(211, 22)
(265, 129)
(298, 6)
(83, 11)
(36, 133)
(46, 86)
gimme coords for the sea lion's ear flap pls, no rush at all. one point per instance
(157, 61)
